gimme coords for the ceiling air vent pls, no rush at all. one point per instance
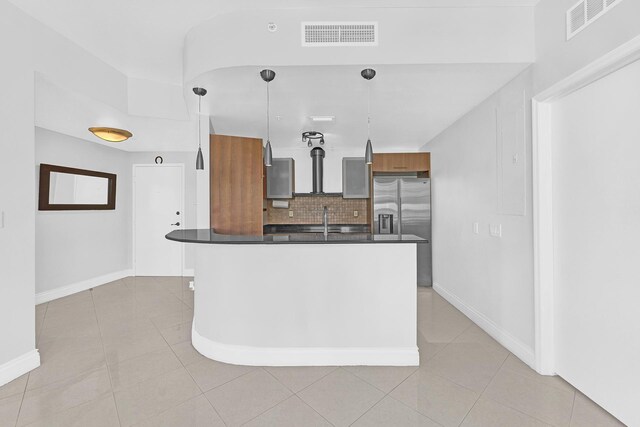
(339, 34)
(585, 12)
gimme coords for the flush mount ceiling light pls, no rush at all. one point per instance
(311, 136)
(111, 134)
(322, 118)
(267, 76)
(199, 158)
(368, 74)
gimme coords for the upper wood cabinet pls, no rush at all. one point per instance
(236, 190)
(401, 162)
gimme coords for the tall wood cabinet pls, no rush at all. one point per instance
(236, 185)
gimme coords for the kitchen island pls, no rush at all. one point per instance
(304, 299)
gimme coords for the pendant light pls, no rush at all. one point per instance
(199, 158)
(368, 74)
(267, 76)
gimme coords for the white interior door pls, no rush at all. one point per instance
(158, 209)
(596, 223)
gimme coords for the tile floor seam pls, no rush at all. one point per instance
(300, 397)
(189, 372)
(506, 405)
(378, 388)
(267, 410)
(24, 392)
(301, 390)
(368, 410)
(165, 373)
(483, 390)
(341, 367)
(104, 352)
(573, 407)
(521, 375)
(314, 409)
(68, 409)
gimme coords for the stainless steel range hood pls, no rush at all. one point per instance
(317, 159)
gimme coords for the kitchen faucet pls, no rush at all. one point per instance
(325, 220)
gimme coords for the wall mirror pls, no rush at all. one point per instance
(63, 188)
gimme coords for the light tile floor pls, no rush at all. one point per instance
(120, 355)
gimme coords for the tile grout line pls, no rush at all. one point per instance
(176, 356)
(510, 407)
(59, 380)
(24, 392)
(296, 393)
(26, 384)
(202, 392)
(409, 376)
(271, 407)
(104, 352)
(483, 390)
(573, 406)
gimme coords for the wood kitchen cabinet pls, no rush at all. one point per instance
(401, 162)
(236, 185)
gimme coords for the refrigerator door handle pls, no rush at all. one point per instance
(399, 207)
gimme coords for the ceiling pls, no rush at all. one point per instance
(144, 38)
(410, 104)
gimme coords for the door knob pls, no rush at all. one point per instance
(177, 223)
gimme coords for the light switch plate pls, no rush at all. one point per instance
(476, 228)
(290, 214)
(495, 230)
(355, 213)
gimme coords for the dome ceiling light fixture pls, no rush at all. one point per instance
(311, 136)
(111, 134)
(368, 74)
(267, 76)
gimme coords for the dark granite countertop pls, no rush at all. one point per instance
(209, 236)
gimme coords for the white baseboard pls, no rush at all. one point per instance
(511, 343)
(300, 356)
(188, 272)
(73, 288)
(19, 366)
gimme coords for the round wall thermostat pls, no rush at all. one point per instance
(271, 26)
(159, 160)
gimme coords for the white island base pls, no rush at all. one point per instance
(306, 304)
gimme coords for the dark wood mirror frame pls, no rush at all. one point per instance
(45, 181)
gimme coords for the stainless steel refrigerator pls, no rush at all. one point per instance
(403, 206)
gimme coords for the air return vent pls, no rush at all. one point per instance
(585, 12)
(339, 34)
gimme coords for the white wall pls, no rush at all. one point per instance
(17, 198)
(557, 58)
(596, 204)
(75, 246)
(490, 278)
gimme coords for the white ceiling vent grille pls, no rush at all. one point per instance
(585, 12)
(339, 34)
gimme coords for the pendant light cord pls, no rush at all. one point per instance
(368, 110)
(268, 115)
(199, 106)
